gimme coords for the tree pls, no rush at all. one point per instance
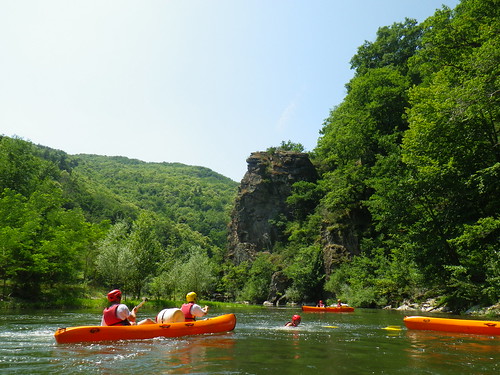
(144, 253)
(453, 134)
(306, 271)
(197, 274)
(287, 146)
(113, 260)
(393, 47)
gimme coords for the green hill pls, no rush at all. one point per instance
(59, 213)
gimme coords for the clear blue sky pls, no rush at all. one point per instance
(200, 82)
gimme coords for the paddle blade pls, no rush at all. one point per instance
(392, 328)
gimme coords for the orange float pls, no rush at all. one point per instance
(223, 323)
(481, 327)
(328, 309)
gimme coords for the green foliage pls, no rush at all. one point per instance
(393, 46)
(256, 288)
(304, 198)
(477, 277)
(305, 270)
(145, 250)
(41, 241)
(197, 273)
(113, 257)
(234, 278)
(415, 142)
(375, 279)
(195, 196)
(56, 212)
(287, 146)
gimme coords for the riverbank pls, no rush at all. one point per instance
(432, 305)
(101, 303)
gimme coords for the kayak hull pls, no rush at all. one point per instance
(481, 327)
(334, 309)
(223, 323)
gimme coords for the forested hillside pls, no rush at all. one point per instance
(414, 151)
(408, 198)
(71, 224)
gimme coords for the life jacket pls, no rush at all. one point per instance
(186, 309)
(110, 317)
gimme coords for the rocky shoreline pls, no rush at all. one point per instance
(431, 305)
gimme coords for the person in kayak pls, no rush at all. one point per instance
(191, 309)
(295, 321)
(118, 313)
(320, 304)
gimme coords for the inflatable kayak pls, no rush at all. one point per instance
(328, 309)
(481, 327)
(223, 323)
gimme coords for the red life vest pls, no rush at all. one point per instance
(110, 317)
(186, 309)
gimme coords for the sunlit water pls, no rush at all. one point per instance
(330, 343)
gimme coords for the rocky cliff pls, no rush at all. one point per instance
(261, 201)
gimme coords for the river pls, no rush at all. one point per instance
(330, 343)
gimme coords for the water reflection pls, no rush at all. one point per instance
(197, 353)
(456, 350)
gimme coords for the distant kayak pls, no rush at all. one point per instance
(328, 309)
(481, 327)
(223, 323)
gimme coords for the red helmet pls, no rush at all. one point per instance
(296, 317)
(115, 295)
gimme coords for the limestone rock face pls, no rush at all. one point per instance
(261, 201)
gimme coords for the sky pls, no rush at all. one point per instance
(199, 82)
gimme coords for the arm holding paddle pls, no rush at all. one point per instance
(133, 314)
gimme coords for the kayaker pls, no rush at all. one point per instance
(191, 309)
(118, 313)
(339, 303)
(295, 321)
(320, 304)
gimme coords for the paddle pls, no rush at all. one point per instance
(392, 328)
(144, 300)
(330, 327)
(133, 313)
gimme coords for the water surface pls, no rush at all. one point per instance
(332, 343)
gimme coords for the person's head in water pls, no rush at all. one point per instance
(295, 321)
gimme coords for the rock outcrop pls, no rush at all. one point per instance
(261, 201)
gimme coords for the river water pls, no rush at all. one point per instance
(330, 343)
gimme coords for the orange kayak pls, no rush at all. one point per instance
(222, 323)
(481, 327)
(328, 309)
